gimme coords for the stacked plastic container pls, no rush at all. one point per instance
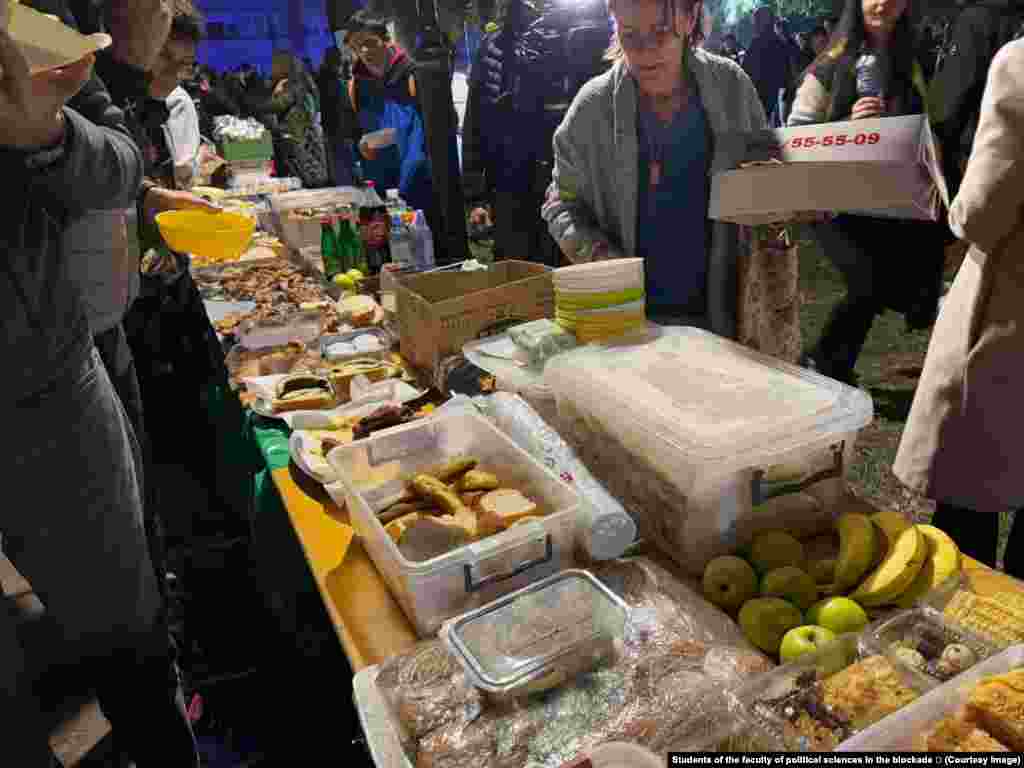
(688, 430)
(600, 300)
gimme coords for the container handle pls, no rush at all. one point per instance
(473, 585)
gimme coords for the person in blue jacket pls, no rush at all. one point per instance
(382, 92)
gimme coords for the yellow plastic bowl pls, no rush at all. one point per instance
(212, 236)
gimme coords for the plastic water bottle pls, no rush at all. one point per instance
(425, 241)
(869, 76)
(402, 241)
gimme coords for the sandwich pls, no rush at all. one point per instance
(303, 391)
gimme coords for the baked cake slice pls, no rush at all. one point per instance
(958, 734)
(997, 705)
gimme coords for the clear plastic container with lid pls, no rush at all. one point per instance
(539, 637)
(374, 471)
(707, 442)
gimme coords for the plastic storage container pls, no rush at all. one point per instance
(299, 234)
(767, 696)
(707, 442)
(330, 353)
(897, 732)
(375, 470)
(302, 326)
(925, 631)
(538, 637)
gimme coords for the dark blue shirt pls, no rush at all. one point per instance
(672, 221)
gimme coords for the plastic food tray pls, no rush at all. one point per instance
(882, 636)
(896, 733)
(844, 652)
(303, 326)
(336, 338)
(374, 470)
(538, 636)
(304, 234)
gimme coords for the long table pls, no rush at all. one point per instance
(368, 621)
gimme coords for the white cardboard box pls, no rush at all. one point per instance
(883, 167)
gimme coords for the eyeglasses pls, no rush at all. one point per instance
(358, 43)
(638, 41)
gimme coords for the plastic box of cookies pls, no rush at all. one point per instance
(931, 648)
(820, 700)
(901, 732)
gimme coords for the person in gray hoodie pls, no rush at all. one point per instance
(72, 519)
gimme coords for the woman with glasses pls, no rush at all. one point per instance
(633, 162)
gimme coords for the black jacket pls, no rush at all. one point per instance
(980, 30)
(97, 166)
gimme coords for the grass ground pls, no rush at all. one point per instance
(888, 367)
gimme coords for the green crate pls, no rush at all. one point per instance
(258, 149)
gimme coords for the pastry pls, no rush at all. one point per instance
(375, 370)
(958, 734)
(997, 705)
(820, 714)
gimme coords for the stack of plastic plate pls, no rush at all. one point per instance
(600, 300)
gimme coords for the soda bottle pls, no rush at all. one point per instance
(375, 228)
(329, 248)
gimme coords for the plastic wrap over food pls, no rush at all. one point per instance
(606, 529)
(427, 689)
(670, 687)
(237, 129)
(541, 340)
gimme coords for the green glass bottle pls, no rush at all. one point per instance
(329, 248)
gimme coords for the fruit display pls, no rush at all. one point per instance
(923, 641)
(452, 506)
(882, 561)
(817, 705)
(992, 719)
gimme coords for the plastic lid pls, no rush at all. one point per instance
(683, 395)
(517, 639)
(620, 754)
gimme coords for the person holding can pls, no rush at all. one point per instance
(869, 70)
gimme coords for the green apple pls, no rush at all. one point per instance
(355, 274)
(840, 614)
(764, 621)
(345, 281)
(823, 571)
(729, 582)
(775, 549)
(791, 584)
(806, 639)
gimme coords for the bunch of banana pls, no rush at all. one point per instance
(885, 560)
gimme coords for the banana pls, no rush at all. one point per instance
(888, 527)
(856, 549)
(942, 563)
(893, 523)
(897, 571)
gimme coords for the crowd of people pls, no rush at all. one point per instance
(582, 152)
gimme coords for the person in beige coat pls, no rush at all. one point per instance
(963, 445)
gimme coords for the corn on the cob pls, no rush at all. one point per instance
(999, 618)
